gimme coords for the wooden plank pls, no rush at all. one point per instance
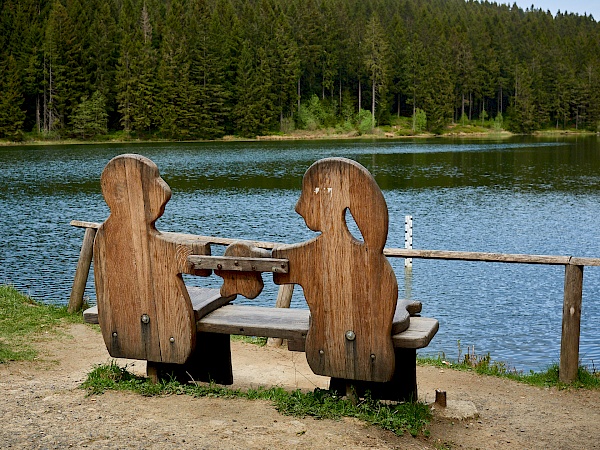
(82, 271)
(477, 256)
(240, 263)
(241, 282)
(257, 321)
(206, 300)
(84, 224)
(577, 261)
(418, 335)
(571, 320)
(408, 253)
(349, 285)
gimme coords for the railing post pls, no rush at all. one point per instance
(284, 300)
(82, 271)
(571, 321)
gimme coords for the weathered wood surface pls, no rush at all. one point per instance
(245, 277)
(349, 285)
(408, 253)
(571, 321)
(263, 321)
(239, 263)
(249, 320)
(82, 271)
(144, 309)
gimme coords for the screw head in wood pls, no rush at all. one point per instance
(321, 352)
(145, 319)
(373, 356)
(350, 335)
(171, 339)
(114, 334)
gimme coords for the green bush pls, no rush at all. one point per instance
(419, 121)
(364, 122)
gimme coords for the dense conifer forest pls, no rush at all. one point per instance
(186, 69)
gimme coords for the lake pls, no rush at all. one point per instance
(516, 195)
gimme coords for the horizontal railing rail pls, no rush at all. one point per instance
(573, 284)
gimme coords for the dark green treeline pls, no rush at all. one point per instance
(207, 68)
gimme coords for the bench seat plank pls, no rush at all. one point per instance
(418, 335)
(248, 320)
(214, 315)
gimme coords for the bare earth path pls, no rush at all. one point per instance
(42, 407)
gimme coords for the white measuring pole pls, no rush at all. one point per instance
(408, 239)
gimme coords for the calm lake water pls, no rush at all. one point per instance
(521, 195)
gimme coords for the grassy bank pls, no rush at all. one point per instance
(587, 377)
(23, 322)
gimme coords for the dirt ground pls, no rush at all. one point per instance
(41, 407)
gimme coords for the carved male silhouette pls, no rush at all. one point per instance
(144, 309)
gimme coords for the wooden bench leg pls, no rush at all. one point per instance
(210, 361)
(402, 387)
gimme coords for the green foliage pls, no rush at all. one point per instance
(498, 122)
(419, 121)
(398, 418)
(90, 117)
(364, 122)
(23, 321)
(11, 114)
(588, 378)
(201, 69)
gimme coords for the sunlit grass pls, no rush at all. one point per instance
(23, 321)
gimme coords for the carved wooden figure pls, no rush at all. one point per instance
(349, 285)
(144, 309)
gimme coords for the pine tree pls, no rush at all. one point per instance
(11, 99)
(376, 59)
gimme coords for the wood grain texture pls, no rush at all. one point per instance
(249, 320)
(414, 253)
(571, 324)
(244, 279)
(144, 309)
(349, 285)
(82, 271)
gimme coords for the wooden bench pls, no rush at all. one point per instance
(355, 330)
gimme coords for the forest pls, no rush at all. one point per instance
(204, 69)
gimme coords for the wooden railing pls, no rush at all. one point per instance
(573, 285)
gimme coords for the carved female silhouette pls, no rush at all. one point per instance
(349, 285)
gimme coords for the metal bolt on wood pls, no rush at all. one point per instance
(145, 319)
(350, 335)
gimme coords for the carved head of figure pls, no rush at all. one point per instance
(331, 186)
(131, 185)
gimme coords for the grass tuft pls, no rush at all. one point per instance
(399, 418)
(587, 378)
(23, 320)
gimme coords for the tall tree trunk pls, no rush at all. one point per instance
(359, 96)
(373, 101)
(298, 93)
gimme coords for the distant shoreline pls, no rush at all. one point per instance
(302, 135)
